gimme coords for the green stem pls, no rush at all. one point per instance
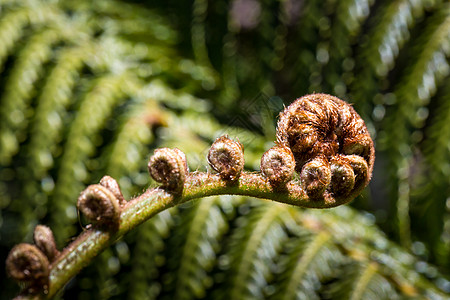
(93, 241)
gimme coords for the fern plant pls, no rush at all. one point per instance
(90, 89)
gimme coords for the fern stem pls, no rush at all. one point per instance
(193, 241)
(363, 281)
(198, 35)
(93, 241)
(303, 263)
(259, 231)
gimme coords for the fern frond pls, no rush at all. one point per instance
(252, 249)
(430, 66)
(412, 94)
(12, 25)
(11, 29)
(94, 110)
(390, 33)
(311, 262)
(131, 22)
(430, 198)
(361, 281)
(147, 256)
(198, 254)
(393, 263)
(390, 30)
(45, 131)
(20, 87)
(438, 132)
(305, 75)
(125, 154)
(56, 96)
(115, 71)
(346, 26)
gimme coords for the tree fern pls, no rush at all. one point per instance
(252, 248)
(93, 111)
(10, 32)
(362, 282)
(346, 27)
(198, 254)
(148, 257)
(99, 85)
(134, 134)
(435, 150)
(311, 261)
(419, 83)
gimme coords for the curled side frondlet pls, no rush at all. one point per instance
(227, 158)
(278, 165)
(100, 206)
(27, 264)
(169, 167)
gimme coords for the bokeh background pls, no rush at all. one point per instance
(89, 88)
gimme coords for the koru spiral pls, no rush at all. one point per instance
(332, 148)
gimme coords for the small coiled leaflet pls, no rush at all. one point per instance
(226, 157)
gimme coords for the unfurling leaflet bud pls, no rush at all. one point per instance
(331, 146)
(45, 241)
(316, 176)
(227, 158)
(361, 146)
(169, 167)
(112, 185)
(361, 170)
(27, 264)
(342, 176)
(278, 165)
(100, 206)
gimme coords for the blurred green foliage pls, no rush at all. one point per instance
(89, 88)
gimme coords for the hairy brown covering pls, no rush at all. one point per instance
(169, 167)
(112, 185)
(226, 157)
(45, 241)
(333, 150)
(278, 165)
(27, 264)
(99, 205)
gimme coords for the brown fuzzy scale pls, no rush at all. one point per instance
(321, 126)
(169, 167)
(45, 241)
(278, 165)
(227, 158)
(342, 176)
(360, 168)
(316, 177)
(112, 185)
(100, 206)
(27, 264)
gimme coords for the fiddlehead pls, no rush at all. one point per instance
(99, 205)
(278, 165)
(169, 167)
(45, 241)
(27, 264)
(319, 137)
(331, 145)
(226, 157)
